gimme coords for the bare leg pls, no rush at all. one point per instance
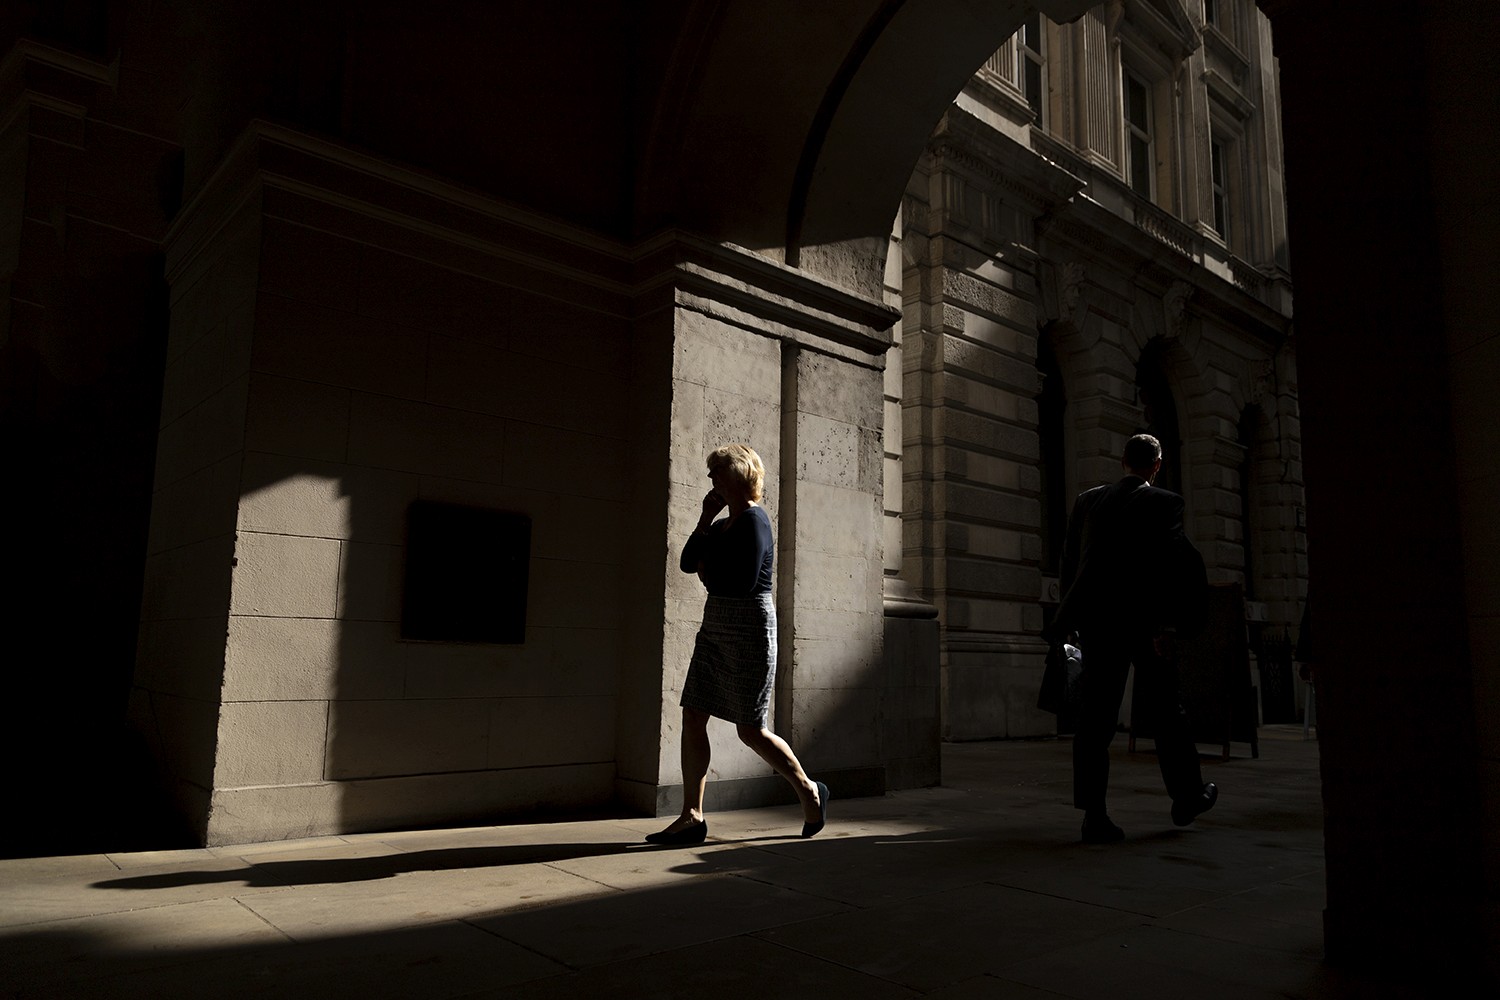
(696, 753)
(774, 751)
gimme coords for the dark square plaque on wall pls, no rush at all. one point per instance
(466, 574)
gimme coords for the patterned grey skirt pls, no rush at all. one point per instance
(734, 660)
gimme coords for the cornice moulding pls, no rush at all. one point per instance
(270, 157)
(36, 75)
(1227, 92)
(738, 285)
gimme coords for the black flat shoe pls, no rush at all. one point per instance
(1101, 830)
(811, 829)
(1187, 810)
(694, 833)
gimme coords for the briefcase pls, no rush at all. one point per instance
(1060, 677)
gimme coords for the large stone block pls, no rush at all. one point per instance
(188, 729)
(527, 732)
(836, 583)
(283, 496)
(183, 657)
(996, 579)
(381, 738)
(208, 433)
(197, 507)
(974, 703)
(572, 595)
(283, 659)
(301, 497)
(285, 812)
(839, 390)
(837, 521)
(986, 541)
(270, 743)
(983, 298)
(421, 438)
(832, 664)
(573, 528)
(309, 265)
(828, 451)
(192, 581)
(991, 400)
(753, 420)
(726, 358)
(476, 797)
(285, 576)
(689, 433)
(837, 727)
(957, 499)
(402, 288)
(486, 379)
(441, 670)
(595, 465)
(215, 350)
(299, 340)
(372, 663)
(995, 436)
(984, 615)
(568, 332)
(297, 418)
(963, 357)
(370, 582)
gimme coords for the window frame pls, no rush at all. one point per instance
(1132, 131)
(1220, 189)
(1028, 57)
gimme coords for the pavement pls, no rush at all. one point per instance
(975, 889)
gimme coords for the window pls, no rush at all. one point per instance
(1030, 65)
(1220, 15)
(1219, 174)
(1139, 169)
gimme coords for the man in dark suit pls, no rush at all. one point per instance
(1129, 578)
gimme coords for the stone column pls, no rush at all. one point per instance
(973, 543)
(767, 355)
(1404, 553)
(337, 355)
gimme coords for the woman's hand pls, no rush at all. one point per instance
(712, 504)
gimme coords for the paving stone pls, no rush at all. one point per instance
(87, 955)
(1151, 962)
(943, 938)
(132, 889)
(736, 969)
(415, 899)
(644, 922)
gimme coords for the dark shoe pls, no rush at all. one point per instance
(693, 833)
(811, 829)
(1184, 811)
(1100, 830)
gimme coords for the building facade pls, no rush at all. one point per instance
(1094, 244)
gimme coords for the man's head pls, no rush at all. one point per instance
(1142, 457)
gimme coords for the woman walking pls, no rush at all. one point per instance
(733, 669)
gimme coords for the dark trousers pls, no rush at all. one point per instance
(1157, 700)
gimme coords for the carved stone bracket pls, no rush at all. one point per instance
(1174, 309)
(1071, 293)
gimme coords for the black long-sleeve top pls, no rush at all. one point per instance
(736, 557)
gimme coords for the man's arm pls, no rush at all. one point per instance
(1068, 572)
(1072, 546)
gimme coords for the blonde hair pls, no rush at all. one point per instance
(741, 462)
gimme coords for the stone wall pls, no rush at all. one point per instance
(333, 359)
